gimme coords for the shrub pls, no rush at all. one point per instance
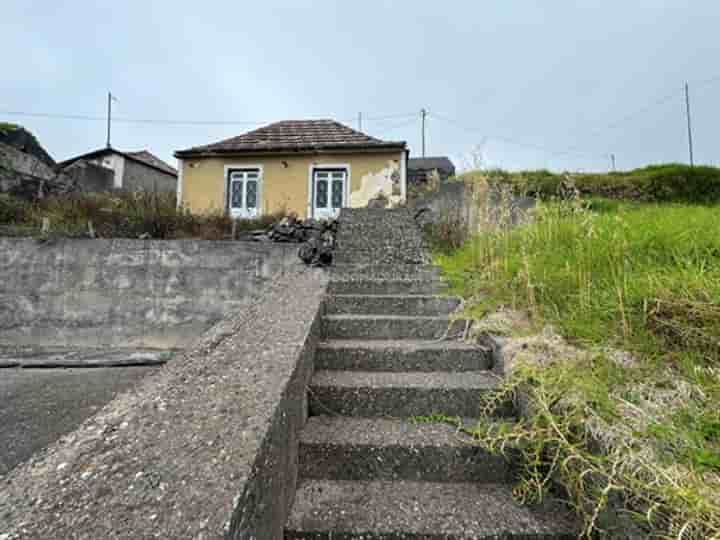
(655, 183)
(12, 209)
(126, 215)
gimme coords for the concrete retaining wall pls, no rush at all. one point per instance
(127, 293)
(206, 448)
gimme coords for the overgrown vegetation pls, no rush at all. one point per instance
(640, 431)
(7, 126)
(120, 215)
(658, 183)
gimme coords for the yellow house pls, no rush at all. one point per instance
(310, 167)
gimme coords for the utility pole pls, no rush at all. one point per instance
(689, 125)
(109, 116)
(359, 121)
(423, 114)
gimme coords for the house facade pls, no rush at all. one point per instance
(107, 169)
(308, 167)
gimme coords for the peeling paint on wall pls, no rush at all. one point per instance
(385, 181)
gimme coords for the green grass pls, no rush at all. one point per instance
(638, 277)
(6, 127)
(671, 182)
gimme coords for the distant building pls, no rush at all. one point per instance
(420, 168)
(107, 169)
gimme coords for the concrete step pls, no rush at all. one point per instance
(390, 327)
(384, 257)
(385, 271)
(401, 355)
(343, 448)
(386, 286)
(400, 395)
(325, 510)
(387, 304)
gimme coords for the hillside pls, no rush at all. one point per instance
(660, 183)
(633, 421)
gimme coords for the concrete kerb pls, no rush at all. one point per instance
(51, 359)
(206, 448)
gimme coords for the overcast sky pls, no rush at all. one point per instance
(518, 83)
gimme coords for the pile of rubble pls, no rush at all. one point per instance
(317, 238)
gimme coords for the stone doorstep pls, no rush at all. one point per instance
(387, 286)
(326, 509)
(400, 395)
(341, 448)
(387, 304)
(391, 327)
(401, 355)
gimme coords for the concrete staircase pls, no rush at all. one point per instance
(366, 471)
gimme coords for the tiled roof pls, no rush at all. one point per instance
(143, 156)
(152, 160)
(292, 136)
(430, 163)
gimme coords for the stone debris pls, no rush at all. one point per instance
(317, 238)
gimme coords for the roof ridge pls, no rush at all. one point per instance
(295, 135)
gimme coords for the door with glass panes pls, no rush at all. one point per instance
(243, 191)
(328, 192)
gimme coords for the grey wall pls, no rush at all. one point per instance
(137, 176)
(478, 207)
(127, 293)
(91, 177)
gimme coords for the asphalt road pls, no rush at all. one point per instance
(39, 405)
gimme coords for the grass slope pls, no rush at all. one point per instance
(644, 278)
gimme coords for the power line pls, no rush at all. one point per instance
(131, 120)
(706, 82)
(166, 121)
(390, 116)
(514, 141)
(659, 101)
(400, 125)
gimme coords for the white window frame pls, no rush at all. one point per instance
(244, 167)
(311, 178)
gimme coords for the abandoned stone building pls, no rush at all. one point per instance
(107, 169)
(26, 169)
(419, 169)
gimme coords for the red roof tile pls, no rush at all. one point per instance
(152, 160)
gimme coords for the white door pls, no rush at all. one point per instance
(328, 193)
(244, 190)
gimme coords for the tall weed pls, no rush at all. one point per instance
(644, 278)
